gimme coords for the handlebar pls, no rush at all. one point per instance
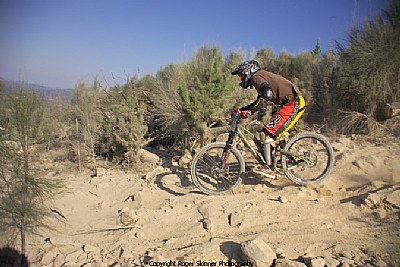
(236, 116)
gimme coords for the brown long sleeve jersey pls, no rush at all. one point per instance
(283, 90)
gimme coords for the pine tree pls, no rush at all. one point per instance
(23, 191)
(316, 52)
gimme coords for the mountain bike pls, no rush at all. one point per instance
(307, 157)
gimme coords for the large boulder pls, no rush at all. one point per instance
(258, 252)
(146, 156)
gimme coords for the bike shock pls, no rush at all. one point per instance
(266, 143)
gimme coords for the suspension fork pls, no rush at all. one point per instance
(229, 142)
(227, 149)
(225, 158)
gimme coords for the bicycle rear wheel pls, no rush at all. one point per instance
(209, 176)
(307, 158)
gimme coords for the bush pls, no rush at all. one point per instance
(371, 59)
(123, 128)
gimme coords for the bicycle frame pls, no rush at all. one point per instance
(241, 132)
(261, 155)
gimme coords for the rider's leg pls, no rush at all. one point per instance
(279, 124)
(268, 145)
(285, 118)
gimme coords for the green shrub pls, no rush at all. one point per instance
(123, 127)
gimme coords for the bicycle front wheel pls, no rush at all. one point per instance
(307, 158)
(210, 176)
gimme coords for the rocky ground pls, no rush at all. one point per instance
(155, 216)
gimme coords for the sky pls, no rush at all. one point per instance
(58, 43)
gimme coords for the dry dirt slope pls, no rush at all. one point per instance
(155, 214)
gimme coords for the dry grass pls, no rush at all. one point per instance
(354, 122)
(393, 126)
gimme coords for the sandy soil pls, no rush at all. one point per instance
(154, 213)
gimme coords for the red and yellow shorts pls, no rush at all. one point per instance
(285, 118)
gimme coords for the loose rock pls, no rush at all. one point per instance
(258, 252)
(146, 156)
(331, 262)
(317, 262)
(90, 248)
(282, 199)
(185, 159)
(100, 172)
(373, 200)
(235, 219)
(47, 258)
(394, 198)
(150, 176)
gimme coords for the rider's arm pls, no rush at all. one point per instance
(253, 106)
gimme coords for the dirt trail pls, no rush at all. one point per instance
(155, 213)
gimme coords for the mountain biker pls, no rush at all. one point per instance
(276, 89)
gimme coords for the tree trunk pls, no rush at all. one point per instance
(78, 147)
(91, 142)
(23, 236)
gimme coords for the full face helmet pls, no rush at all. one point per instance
(246, 71)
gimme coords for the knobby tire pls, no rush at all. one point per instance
(326, 163)
(207, 174)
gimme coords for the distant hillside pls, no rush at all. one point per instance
(44, 91)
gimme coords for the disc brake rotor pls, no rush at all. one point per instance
(310, 158)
